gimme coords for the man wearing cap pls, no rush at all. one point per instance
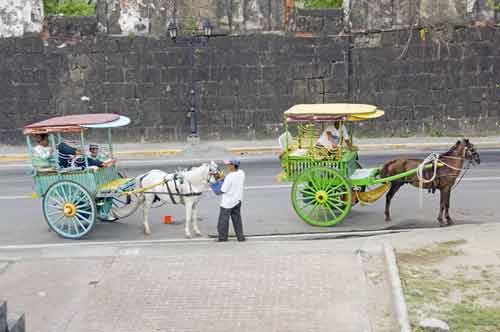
(94, 158)
(230, 206)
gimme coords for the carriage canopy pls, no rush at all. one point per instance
(333, 112)
(76, 123)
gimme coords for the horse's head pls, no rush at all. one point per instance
(467, 150)
(470, 152)
(214, 172)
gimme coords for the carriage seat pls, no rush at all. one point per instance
(364, 173)
(298, 153)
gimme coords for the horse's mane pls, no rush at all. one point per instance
(450, 151)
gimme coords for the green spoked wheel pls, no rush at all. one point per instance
(69, 209)
(321, 196)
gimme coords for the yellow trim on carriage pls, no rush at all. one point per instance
(112, 185)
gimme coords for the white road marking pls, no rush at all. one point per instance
(7, 198)
(277, 186)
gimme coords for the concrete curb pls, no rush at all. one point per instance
(121, 154)
(396, 288)
(359, 258)
(369, 147)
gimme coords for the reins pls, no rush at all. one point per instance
(437, 161)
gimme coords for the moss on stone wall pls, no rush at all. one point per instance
(322, 3)
(69, 8)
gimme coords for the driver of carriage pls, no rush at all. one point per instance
(95, 158)
(330, 138)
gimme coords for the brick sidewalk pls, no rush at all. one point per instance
(259, 286)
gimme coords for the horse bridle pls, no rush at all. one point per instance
(213, 174)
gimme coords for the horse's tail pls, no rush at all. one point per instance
(386, 169)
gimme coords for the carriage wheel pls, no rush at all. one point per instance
(69, 209)
(321, 196)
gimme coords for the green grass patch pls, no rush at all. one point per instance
(69, 8)
(322, 3)
(465, 317)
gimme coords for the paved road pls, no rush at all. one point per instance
(267, 208)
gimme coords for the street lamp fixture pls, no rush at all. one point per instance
(172, 30)
(207, 28)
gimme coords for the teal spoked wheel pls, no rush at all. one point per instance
(69, 209)
(321, 196)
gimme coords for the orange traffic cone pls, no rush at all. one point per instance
(168, 220)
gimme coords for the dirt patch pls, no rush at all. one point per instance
(467, 297)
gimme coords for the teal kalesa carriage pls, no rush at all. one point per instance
(327, 182)
(74, 194)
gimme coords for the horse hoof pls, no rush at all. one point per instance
(450, 222)
(197, 234)
(442, 223)
(388, 219)
(189, 236)
(147, 232)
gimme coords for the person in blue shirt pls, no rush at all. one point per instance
(95, 159)
(67, 153)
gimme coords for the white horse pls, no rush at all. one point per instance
(184, 187)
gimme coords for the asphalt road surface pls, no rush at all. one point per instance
(267, 207)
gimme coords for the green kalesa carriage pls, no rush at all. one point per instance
(75, 194)
(327, 182)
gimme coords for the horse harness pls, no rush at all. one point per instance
(461, 171)
(177, 179)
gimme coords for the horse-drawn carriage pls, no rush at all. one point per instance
(74, 193)
(329, 180)
(77, 190)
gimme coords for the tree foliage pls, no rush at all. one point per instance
(69, 8)
(323, 3)
(494, 4)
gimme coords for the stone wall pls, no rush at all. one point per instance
(242, 83)
(440, 84)
(430, 81)
(322, 22)
(376, 15)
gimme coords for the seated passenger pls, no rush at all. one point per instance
(66, 154)
(330, 138)
(95, 158)
(42, 152)
(282, 143)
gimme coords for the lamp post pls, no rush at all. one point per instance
(193, 138)
(172, 31)
(207, 28)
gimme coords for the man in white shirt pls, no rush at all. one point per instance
(330, 138)
(230, 206)
(42, 152)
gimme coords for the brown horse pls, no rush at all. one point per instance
(446, 175)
